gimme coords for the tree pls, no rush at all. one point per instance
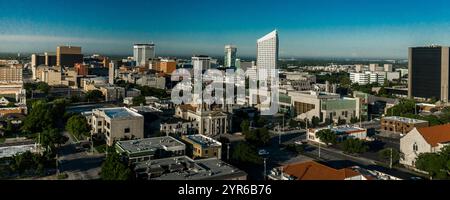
(114, 169)
(257, 137)
(327, 136)
(139, 100)
(354, 120)
(354, 146)
(40, 118)
(433, 163)
(403, 108)
(245, 153)
(43, 87)
(245, 126)
(385, 155)
(342, 121)
(293, 123)
(78, 126)
(94, 95)
(51, 139)
(315, 121)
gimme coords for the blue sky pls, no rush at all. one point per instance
(307, 28)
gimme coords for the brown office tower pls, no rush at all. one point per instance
(429, 73)
(68, 56)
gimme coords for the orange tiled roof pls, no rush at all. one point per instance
(315, 171)
(436, 134)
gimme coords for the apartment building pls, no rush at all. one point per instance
(401, 125)
(114, 124)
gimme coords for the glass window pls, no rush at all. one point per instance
(127, 130)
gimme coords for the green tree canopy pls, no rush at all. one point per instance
(78, 126)
(114, 169)
(40, 118)
(137, 101)
(327, 136)
(354, 146)
(94, 95)
(245, 153)
(385, 155)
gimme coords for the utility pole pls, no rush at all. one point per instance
(279, 137)
(265, 169)
(319, 149)
(228, 151)
(390, 164)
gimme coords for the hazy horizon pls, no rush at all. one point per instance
(307, 29)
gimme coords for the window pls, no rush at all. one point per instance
(127, 130)
(108, 125)
(99, 123)
(415, 147)
(206, 151)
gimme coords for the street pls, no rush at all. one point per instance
(82, 165)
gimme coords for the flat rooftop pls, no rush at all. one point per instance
(405, 120)
(151, 144)
(203, 140)
(185, 168)
(146, 109)
(119, 113)
(9, 151)
(348, 129)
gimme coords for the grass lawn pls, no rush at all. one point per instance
(2, 140)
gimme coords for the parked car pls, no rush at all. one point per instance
(263, 152)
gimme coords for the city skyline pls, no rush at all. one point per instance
(353, 29)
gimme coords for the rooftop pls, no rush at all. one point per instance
(436, 135)
(315, 171)
(185, 168)
(405, 120)
(203, 140)
(119, 113)
(150, 145)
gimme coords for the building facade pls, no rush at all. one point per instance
(142, 53)
(423, 140)
(116, 124)
(401, 125)
(203, 147)
(230, 56)
(267, 53)
(68, 56)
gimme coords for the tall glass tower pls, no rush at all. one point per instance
(230, 56)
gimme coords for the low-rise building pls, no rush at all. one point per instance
(113, 93)
(203, 147)
(312, 170)
(309, 104)
(185, 168)
(401, 125)
(342, 133)
(423, 140)
(179, 126)
(116, 124)
(150, 149)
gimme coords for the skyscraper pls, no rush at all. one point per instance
(142, 53)
(267, 55)
(230, 56)
(68, 56)
(429, 72)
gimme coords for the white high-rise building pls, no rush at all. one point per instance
(142, 53)
(267, 55)
(230, 56)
